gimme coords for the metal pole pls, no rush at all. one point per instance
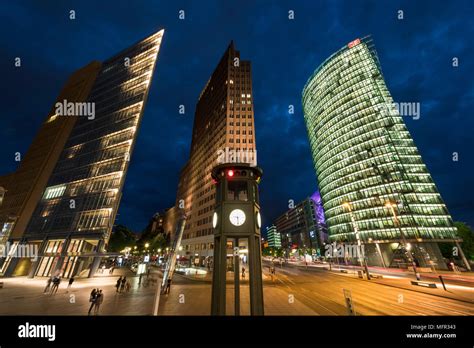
(397, 223)
(463, 257)
(362, 260)
(156, 305)
(236, 279)
(380, 254)
(442, 282)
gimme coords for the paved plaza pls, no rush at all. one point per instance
(294, 290)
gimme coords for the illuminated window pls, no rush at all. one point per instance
(54, 191)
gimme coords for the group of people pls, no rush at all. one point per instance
(122, 284)
(96, 299)
(52, 284)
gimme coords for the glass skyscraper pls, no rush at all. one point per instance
(374, 185)
(73, 217)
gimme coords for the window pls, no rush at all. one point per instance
(54, 191)
(237, 191)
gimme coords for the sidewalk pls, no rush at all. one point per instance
(24, 296)
(467, 277)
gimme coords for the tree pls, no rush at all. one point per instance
(465, 232)
(159, 242)
(467, 235)
(121, 237)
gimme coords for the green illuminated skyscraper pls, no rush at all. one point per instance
(374, 185)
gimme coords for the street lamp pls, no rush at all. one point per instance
(396, 220)
(348, 206)
(147, 245)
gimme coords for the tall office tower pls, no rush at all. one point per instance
(273, 237)
(303, 226)
(72, 220)
(223, 132)
(373, 182)
(25, 186)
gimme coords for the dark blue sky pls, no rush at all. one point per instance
(416, 56)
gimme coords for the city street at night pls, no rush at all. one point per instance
(294, 291)
(295, 172)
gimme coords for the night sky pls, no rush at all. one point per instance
(416, 56)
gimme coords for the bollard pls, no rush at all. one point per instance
(442, 282)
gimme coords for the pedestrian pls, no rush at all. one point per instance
(112, 270)
(56, 282)
(48, 285)
(103, 268)
(168, 286)
(92, 299)
(98, 301)
(243, 272)
(122, 286)
(117, 285)
(127, 286)
(71, 280)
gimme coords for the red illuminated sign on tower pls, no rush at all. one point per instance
(353, 43)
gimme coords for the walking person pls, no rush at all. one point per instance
(122, 285)
(117, 285)
(92, 299)
(168, 286)
(98, 301)
(243, 272)
(56, 282)
(71, 280)
(272, 273)
(127, 286)
(48, 285)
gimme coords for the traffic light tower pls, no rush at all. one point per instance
(236, 218)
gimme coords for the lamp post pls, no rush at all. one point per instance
(363, 264)
(406, 245)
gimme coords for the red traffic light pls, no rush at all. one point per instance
(230, 173)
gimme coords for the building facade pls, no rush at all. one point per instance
(273, 237)
(374, 185)
(223, 132)
(303, 226)
(71, 219)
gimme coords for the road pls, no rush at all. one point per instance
(322, 291)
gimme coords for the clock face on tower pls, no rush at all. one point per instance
(214, 220)
(237, 217)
